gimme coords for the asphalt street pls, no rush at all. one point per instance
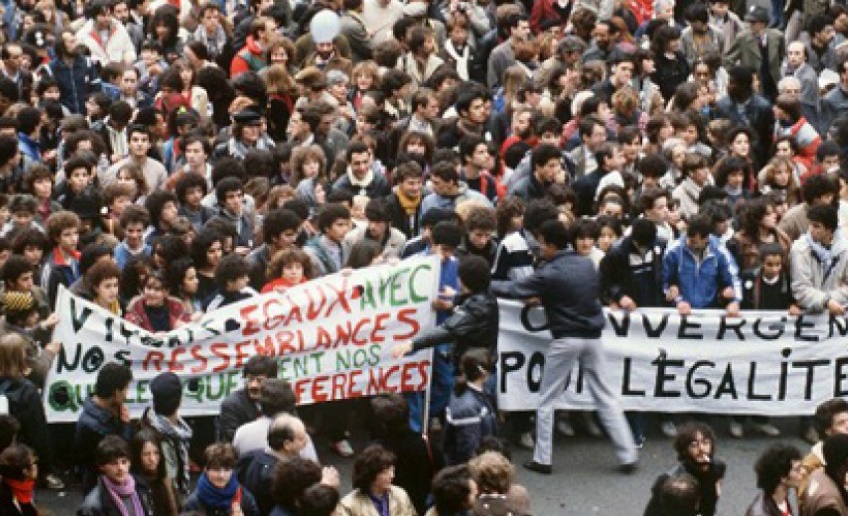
(585, 480)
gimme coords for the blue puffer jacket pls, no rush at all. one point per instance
(701, 283)
(76, 83)
(470, 417)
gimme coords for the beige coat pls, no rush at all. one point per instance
(357, 504)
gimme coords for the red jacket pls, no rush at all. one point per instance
(249, 58)
(137, 315)
(543, 10)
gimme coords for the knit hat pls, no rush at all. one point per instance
(167, 391)
(18, 305)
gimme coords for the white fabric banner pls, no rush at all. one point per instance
(764, 363)
(331, 337)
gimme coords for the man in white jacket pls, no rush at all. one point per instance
(106, 38)
(819, 264)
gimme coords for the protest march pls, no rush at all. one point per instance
(244, 242)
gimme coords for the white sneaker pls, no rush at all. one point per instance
(592, 428)
(526, 441)
(736, 429)
(668, 429)
(767, 429)
(343, 448)
(564, 428)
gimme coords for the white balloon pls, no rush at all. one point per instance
(325, 26)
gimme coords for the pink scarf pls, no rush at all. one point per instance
(118, 492)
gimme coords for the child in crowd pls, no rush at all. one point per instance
(769, 287)
(288, 268)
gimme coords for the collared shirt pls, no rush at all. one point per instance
(381, 504)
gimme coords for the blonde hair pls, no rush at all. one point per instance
(278, 196)
(493, 473)
(367, 68)
(464, 208)
(13, 361)
(514, 78)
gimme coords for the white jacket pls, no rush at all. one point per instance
(815, 282)
(118, 48)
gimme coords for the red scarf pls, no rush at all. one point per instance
(22, 490)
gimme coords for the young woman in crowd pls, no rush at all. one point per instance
(206, 251)
(155, 310)
(183, 278)
(218, 491)
(148, 464)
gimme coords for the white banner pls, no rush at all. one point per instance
(766, 363)
(331, 337)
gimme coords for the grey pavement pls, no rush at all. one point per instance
(585, 480)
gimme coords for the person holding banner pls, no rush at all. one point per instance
(156, 311)
(473, 323)
(819, 264)
(568, 288)
(445, 238)
(699, 272)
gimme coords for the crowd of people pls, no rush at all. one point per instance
(165, 158)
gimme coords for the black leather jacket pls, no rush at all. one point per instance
(473, 324)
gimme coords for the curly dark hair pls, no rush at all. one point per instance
(371, 462)
(774, 464)
(291, 478)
